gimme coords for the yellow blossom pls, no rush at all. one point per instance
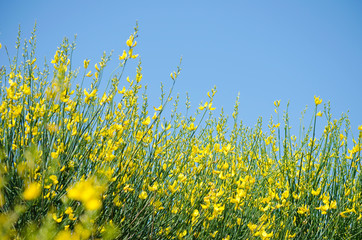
(143, 195)
(54, 179)
(317, 100)
(124, 55)
(226, 238)
(252, 226)
(89, 74)
(213, 235)
(323, 208)
(343, 214)
(129, 42)
(333, 204)
(158, 109)
(316, 192)
(153, 188)
(86, 63)
(303, 210)
(277, 103)
(87, 192)
(57, 219)
(96, 67)
(147, 121)
(32, 191)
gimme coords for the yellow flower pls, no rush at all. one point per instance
(213, 235)
(182, 234)
(360, 127)
(317, 100)
(319, 114)
(69, 210)
(303, 210)
(333, 205)
(277, 103)
(172, 187)
(265, 235)
(323, 208)
(147, 121)
(58, 220)
(143, 195)
(124, 55)
(130, 53)
(316, 192)
(130, 41)
(54, 179)
(226, 238)
(89, 74)
(88, 96)
(202, 107)
(158, 109)
(0, 46)
(32, 191)
(87, 192)
(343, 214)
(195, 213)
(276, 125)
(86, 63)
(54, 154)
(210, 107)
(285, 194)
(153, 188)
(252, 226)
(96, 67)
(192, 127)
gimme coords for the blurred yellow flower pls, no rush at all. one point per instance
(323, 208)
(213, 234)
(87, 192)
(195, 213)
(226, 238)
(32, 191)
(54, 179)
(303, 210)
(57, 219)
(316, 192)
(317, 100)
(153, 188)
(252, 226)
(333, 204)
(319, 114)
(143, 195)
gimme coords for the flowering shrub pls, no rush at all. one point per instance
(80, 164)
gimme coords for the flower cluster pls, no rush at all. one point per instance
(76, 163)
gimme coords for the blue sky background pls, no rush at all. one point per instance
(266, 50)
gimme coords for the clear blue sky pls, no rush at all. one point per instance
(266, 50)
